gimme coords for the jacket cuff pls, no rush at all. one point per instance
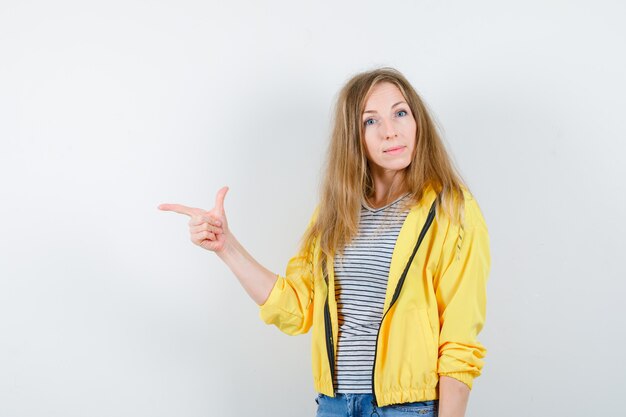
(465, 377)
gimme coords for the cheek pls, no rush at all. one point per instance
(411, 128)
(370, 145)
(411, 132)
(412, 144)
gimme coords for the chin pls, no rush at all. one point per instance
(394, 168)
(399, 166)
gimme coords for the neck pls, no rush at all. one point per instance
(388, 186)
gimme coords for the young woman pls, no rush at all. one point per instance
(391, 274)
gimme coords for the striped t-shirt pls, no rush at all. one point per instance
(360, 284)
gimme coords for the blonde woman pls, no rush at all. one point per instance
(391, 274)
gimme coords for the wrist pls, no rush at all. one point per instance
(229, 249)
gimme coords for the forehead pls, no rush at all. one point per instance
(383, 94)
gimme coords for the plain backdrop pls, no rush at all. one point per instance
(109, 108)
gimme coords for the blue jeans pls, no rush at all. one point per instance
(357, 405)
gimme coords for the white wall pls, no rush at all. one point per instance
(108, 109)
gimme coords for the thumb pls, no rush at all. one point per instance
(219, 200)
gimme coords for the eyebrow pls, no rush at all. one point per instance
(374, 111)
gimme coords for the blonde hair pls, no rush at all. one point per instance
(347, 179)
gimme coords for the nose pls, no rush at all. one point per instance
(388, 129)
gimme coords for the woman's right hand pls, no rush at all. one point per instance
(207, 229)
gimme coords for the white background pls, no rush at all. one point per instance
(110, 108)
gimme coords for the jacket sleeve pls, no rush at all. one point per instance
(290, 303)
(460, 288)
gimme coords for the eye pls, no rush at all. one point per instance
(402, 113)
(369, 122)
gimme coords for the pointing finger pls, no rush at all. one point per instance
(178, 208)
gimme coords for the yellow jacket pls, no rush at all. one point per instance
(429, 328)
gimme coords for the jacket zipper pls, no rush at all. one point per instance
(396, 294)
(330, 346)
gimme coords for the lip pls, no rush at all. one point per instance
(394, 149)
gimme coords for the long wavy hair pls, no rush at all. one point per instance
(347, 179)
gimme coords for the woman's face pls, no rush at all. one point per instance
(389, 129)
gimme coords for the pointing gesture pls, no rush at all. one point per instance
(208, 229)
